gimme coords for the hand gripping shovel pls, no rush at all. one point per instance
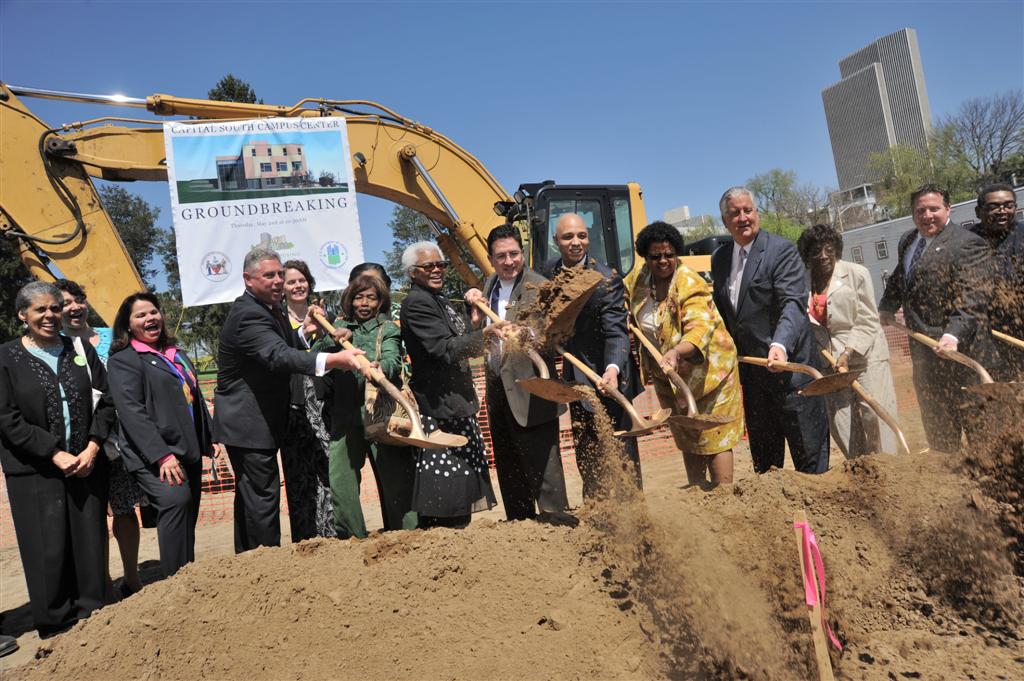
(1003, 392)
(889, 419)
(821, 385)
(541, 385)
(693, 419)
(639, 425)
(416, 437)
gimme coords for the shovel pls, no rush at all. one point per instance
(821, 385)
(1007, 338)
(693, 419)
(639, 425)
(416, 437)
(883, 414)
(541, 385)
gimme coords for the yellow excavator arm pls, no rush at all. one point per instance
(49, 205)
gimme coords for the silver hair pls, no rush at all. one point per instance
(256, 256)
(33, 290)
(735, 191)
(412, 253)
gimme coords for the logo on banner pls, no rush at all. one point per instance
(216, 266)
(333, 255)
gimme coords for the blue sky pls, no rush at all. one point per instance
(195, 157)
(686, 98)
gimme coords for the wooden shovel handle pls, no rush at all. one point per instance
(954, 355)
(486, 309)
(380, 380)
(883, 414)
(611, 389)
(1007, 338)
(785, 366)
(673, 375)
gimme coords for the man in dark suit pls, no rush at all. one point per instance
(601, 341)
(258, 354)
(1004, 234)
(759, 289)
(938, 282)
(524, 428)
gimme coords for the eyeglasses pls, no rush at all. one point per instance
(440, 265)
(1007, 207)
(660, 256)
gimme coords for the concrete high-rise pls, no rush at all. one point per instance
(880, 102)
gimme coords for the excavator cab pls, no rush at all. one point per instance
(613, 214)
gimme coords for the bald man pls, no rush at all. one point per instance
(601, 341)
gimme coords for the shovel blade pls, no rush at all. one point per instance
(832, 383)
(656, 420)
(1010, 393)
(436, 440)
(550, 389)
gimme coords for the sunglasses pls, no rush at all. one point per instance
(440, 265)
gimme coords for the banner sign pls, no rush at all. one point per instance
(279, 183)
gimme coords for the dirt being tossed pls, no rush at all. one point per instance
(675, 584)
(553, 312)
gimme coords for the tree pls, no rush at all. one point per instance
(987, 132)
(231, 89)
(408, 227)
(14, 274)
(778, 193)
(135, 220)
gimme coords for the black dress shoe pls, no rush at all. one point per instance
(8, 644)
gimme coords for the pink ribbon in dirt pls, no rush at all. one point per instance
(811, 590)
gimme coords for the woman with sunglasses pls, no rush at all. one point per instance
(672, 306)
(450, 484)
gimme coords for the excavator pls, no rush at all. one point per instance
(49, 205)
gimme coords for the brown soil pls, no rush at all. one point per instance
(677, 583)
(558, 303)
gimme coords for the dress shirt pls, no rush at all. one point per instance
(908, 255)
(740, 255)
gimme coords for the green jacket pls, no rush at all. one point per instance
(343, 391)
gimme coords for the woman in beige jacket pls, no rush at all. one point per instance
(844, 317)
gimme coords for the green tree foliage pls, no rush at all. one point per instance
(905, 168)
(231, 89)
(787, 207)
(135, 220)
(14, 275)
(408, 227)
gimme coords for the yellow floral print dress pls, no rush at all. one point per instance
(689, 314)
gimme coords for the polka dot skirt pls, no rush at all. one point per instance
(455, 481)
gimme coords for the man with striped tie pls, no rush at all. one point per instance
(938, 281)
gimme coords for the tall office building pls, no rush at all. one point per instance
(881, 101)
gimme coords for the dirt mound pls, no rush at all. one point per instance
(680, 584)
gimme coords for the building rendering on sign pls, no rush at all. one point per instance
(261, 165)
(880, 102)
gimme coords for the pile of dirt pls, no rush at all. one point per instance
(679, 584)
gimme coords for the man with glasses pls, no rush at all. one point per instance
(601, 341)
(524, 428)
(938, 283)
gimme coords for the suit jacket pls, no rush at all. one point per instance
(153, 416)
(1006, 293)
(852, 316)
(439, 341)
(257, 356)
(945, 294)
(527, 409)
(32, 425)
(601, 335)
(771, 306)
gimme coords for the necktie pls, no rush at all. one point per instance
(739, 276)
(918, 251)
(494, 354)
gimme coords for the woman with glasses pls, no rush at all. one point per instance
(844, 318)
(450, 484)
(672, 306)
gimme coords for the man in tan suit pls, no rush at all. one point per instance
(524, 428)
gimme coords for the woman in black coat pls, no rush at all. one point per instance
(450, 484)
(164, 427)
(51, 428)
